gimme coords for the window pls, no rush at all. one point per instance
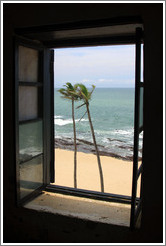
(34, 103)
(31, 117)
(112, 70)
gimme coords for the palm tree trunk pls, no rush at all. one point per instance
(97, 152)
(75, 147)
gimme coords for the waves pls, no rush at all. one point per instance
(63, 127)
(58, 116)
(124, 132)
(58, 120)
(117, 139)
(112, 112)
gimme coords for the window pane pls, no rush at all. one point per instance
(142, 64)
(28, 64)
(31, 175)
(30, 140)
(140, 147)
(140, 150)
(28, 102)
(141, 107)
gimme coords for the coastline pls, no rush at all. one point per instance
(117, 173)
(88, 147)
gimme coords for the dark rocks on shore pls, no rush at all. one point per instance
(82, 145)
(117, 140)
(126, 147)
(87, 142)
(88, 147)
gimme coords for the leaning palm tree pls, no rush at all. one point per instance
(69, 93)
(85, 95)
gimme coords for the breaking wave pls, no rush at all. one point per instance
(62, 122)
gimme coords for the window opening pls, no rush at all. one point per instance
(112, 70)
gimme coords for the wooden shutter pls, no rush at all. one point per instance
(136, 201)
(32, 117)
(52, 161)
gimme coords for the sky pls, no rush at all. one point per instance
(104, 66)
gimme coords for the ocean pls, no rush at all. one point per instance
(112, 113)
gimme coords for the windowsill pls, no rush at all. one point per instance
(82, 208)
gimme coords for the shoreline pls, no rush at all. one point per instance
(87, 147)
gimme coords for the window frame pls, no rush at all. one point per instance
(43, 83)
(87, 42)
(81, 42)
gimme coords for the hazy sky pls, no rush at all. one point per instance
(103, 66)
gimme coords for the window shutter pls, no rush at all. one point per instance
(136, 201)
(32, 89)
(52, 164)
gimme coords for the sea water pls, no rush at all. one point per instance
(112, 113)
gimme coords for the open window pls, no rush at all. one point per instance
(136, 201)
(35, 97)
(32, 104)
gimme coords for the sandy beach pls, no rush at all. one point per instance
(117, 173)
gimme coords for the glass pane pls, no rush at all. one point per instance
(141, 107)
(28, 102)
(142, 64)
(30, 140)
(28, 64)
(31, 175)
(140, 149)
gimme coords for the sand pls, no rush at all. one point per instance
(117, 173)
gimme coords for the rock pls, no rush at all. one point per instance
(88, 147)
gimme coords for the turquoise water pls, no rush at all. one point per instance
(112, 113)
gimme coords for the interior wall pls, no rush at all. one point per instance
(21, 225)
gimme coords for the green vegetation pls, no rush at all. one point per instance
(75, 93)
(85, 95)
(69, 93)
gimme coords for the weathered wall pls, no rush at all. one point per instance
(21, 225)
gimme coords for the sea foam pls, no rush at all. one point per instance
(58, 116)
(124, 132)
(62, 122)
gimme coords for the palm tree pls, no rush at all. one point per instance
(69, 93)
(85, 95)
